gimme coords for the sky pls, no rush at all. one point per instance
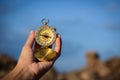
(83, 24)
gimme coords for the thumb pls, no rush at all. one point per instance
(30, 40)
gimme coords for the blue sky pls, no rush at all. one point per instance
(83, 24)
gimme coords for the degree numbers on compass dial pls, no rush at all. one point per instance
(46, 36)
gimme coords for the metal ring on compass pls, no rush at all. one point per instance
(45, 21)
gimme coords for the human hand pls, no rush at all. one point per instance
(27, 67)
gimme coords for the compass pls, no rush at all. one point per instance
(45, 36)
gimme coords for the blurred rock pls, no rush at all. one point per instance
(114, 65)
(94, 70)
(74, 75)
(50, 75)
(7, 63)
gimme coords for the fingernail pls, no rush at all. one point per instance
(31, 31)
(59, 35)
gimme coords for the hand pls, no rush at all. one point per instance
(27, 67)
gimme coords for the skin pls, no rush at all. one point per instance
(27, 67)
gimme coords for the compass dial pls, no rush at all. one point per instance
(45, 36)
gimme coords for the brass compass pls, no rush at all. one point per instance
(45, 36)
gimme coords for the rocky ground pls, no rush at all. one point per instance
(111, 70)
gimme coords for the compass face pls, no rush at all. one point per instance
(45, 36)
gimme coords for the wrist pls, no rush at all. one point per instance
(20, 73)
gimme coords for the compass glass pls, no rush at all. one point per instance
(45, 36)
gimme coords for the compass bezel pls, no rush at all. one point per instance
(43, 28)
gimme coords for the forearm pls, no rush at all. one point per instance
(19, 73)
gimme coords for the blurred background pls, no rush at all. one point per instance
(85, 25)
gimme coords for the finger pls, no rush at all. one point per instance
(58, 44)
(30, 40)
